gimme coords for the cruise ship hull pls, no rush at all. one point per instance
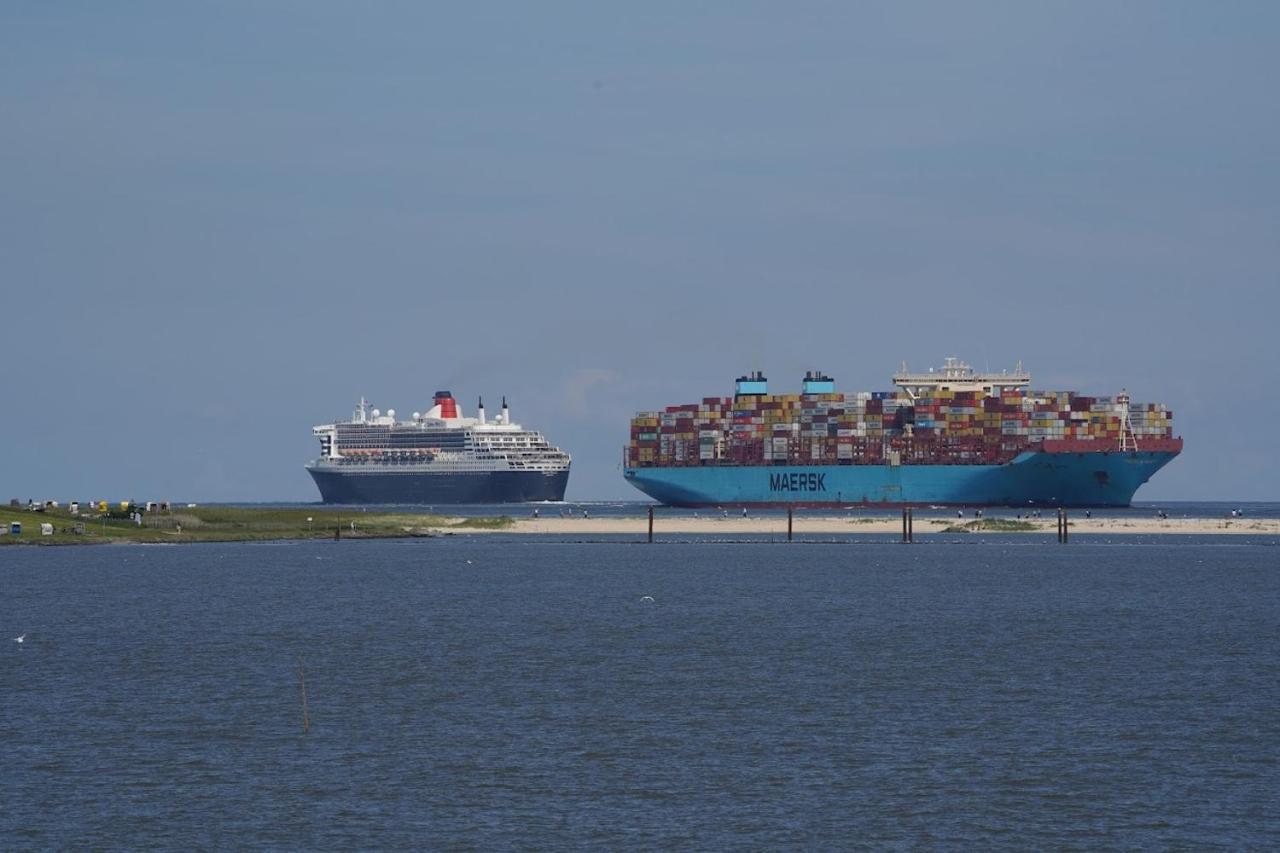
(1034, 478)
(412, 487)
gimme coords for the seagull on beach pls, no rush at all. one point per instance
(21, 639)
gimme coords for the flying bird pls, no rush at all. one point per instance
(21, 639)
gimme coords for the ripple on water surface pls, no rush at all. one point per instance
(1002, 695)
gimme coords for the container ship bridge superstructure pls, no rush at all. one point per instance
(947, 437)
(436, 457)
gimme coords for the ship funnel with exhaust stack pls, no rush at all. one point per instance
(506, 412)
(752, 385)
(448, 408)
(480, 410)
(817, 382)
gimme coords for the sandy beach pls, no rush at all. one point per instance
(828, 525)
(249, 524)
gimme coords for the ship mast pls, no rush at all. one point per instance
(1128, 438)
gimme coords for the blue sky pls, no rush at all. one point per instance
(222, 223)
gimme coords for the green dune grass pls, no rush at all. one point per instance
(231, 524)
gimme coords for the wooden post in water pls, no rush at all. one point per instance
(302, 684)
(911, 524)
(791, 513)
(1065, 533)
(904, 524)
(650, 524)
(1059, 525)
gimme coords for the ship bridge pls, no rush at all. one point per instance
(955, 375)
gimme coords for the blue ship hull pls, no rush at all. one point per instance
(1034, 478)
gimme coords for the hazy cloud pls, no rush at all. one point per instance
(578, 385)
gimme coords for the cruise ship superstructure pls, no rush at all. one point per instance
(436, 457)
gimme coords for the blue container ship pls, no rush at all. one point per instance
(947, 437)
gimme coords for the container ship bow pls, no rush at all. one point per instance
(439, 457)
(948, 437)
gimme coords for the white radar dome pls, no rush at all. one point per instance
(417, 416)
(377, 413)
(391, 413)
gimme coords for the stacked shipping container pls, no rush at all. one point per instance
(942, 427)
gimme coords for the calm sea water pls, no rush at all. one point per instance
(504, 692)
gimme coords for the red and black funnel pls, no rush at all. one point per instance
(448, 408)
